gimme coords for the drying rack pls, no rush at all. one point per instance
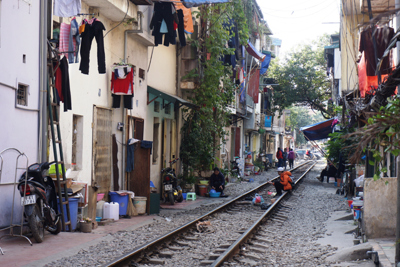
(19, 158)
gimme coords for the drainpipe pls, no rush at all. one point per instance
(140, 30)
(42, 148)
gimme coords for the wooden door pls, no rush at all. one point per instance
(237, 142)
(102, 149)
(139, 178)
(166, 143)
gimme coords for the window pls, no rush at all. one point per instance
(22, 95)
(77, 142)
(168, 109)
(156, 106)
(141, 74)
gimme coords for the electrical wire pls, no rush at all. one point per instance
(150, 59)
(120, 21)
(294, 10)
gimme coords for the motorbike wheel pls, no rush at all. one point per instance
(58, 229)
(180, 197)
(171, 198)
(36, 223)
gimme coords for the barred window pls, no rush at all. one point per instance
(168, 109)
(22, 95)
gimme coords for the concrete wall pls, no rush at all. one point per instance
(380, 198)
(19, 36)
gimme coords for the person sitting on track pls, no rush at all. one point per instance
(217, 181)
(284, 182)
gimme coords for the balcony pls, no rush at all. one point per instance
(377, 6)
(114, 10)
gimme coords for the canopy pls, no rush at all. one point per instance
(254, 52)
(177, 101)
(319, 130)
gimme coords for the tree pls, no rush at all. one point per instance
(215, 87)
(300, 117)
(302, 78)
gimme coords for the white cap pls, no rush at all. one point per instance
(281, 169)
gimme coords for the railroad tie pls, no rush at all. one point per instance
(252, 256)
(263, 239)
(248, 262)
(213, 256)
(174, 248)
(181, 243)
(257, 250)
(206, 262)
(219, 250)
(225, 245)
(260, 245)
(191, 238)
(165, 254)
(156, 261)
(278, 216)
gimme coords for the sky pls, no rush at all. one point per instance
(300, 21)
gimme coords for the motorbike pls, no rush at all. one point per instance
(235, 167)
(38, 195)
(172, 191)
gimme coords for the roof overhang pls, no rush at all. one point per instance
(254, 52)
(177, 101)
(195, 3)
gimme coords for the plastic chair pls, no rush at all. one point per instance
(191, 196)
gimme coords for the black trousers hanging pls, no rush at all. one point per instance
(94, 30)
(116, 103)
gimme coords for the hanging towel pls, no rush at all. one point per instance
(130, 161)
(64, 37)
(147, 144)
(67, 8)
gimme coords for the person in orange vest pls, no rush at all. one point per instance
(284, 183)
(279, 156)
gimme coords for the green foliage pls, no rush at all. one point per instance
(380, 135)
(302, 78)
(204, 127)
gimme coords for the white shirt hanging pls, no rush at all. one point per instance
(67, 8)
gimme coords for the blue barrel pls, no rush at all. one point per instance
(73, 211)
(121, 200)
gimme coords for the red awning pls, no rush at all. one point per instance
(253, 51)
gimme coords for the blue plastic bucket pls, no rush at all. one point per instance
(184, 195)
(121, 200)
(73, 212)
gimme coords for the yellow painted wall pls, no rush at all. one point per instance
(162, 72)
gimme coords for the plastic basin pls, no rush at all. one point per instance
(217, 194)
(121, 200)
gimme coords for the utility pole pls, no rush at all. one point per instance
(397, 257)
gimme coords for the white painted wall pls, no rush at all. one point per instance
(19, 36)
(92, 90)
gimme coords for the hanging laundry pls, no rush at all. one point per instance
(181, 28)
(67, 8)
(122, 85)
(92, 30)
(367, 84)
(62, 83)
(187, 17)
(65, 30)
(383, 35)
(163, 12)
(73, 42)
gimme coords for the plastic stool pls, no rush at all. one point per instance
(191, 196)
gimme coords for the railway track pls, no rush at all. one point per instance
(217, 236)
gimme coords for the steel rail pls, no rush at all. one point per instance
(158, 241)
(229, 252)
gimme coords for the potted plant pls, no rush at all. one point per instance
(85, 225)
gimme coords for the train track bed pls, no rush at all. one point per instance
(213, 234)
(223, 229)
